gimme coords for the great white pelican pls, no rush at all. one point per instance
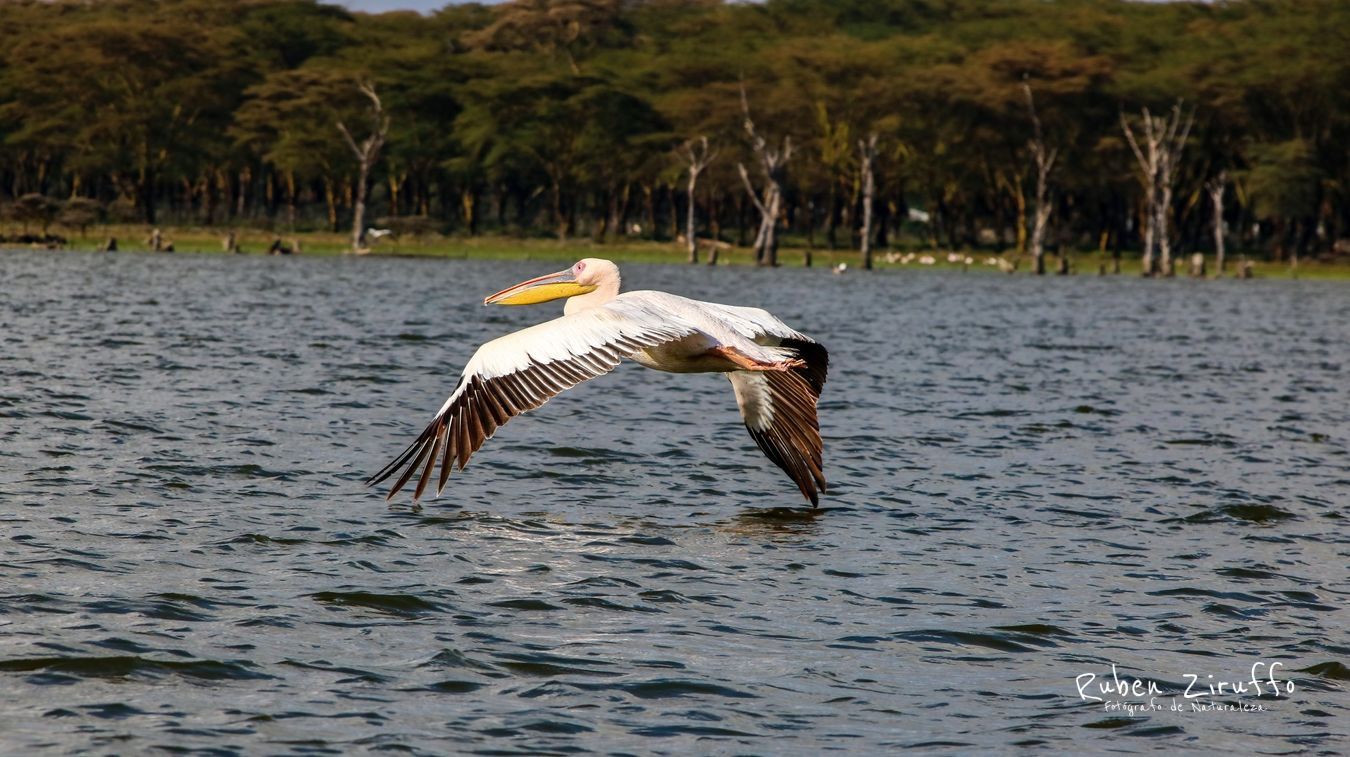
(776, 372)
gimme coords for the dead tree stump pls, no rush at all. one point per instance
(1198, 265)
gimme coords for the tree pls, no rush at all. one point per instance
(539, 116)
(35, 208)
(772, 162)
(1282, 182)
(561, 27)
(80, 213)
(128, 99)
(698, 155)
(1044, 158)
(1164, 138)
(287, 122)
(367, 151)
(1215, 188)
(867, 157)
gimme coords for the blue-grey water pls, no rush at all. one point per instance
(1032, 480)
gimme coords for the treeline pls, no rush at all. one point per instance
(999, 124)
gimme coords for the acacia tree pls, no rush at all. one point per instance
(772, 163)
(832, 158)
(367, 151)
(126, 99)
(287, 123)
(131, 112)
(554, 27)
(1215, 188)
(867, 158)
(699, 156)
(1282, 183)
(1044, 157)
(1158, 159)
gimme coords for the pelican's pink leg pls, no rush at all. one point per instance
(747, 363)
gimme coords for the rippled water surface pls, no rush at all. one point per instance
(1031, 480)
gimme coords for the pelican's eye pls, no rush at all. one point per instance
(579, 267)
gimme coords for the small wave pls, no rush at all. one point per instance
(549, 666)
(133, 666)
(1332, 669)
(528, 605)
(453, 687)
(406, 605)
(1003, 642)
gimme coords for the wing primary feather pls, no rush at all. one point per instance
(398, 462)
(431, 465)
(466, 447)
(407, 474)
(448, 460)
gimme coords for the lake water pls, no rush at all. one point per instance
(1031, 480)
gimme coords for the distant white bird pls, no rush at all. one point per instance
(776, 372)
(841, 268)
(375, 233)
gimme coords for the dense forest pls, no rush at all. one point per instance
(1017, 126)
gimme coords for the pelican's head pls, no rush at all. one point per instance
(584, 277)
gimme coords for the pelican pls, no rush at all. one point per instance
(776, 372)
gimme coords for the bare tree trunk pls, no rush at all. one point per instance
(1164, 239)
(1164, 138)
(1215, 187)
(366, 152)
(395, 185)
(769, 202)
(1198, 265)
(560, 220)
(468, 204)
(867, 151)
(674, 210)
(649, 210)
(1045, 163)
(245, 179)
(330, 198)
(290, 200)
(698, 155)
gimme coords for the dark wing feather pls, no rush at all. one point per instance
(541, 362)
(779, 409)
(475, 415)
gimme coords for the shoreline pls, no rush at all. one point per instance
(204, 240)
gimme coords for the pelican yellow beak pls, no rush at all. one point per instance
(554, 286)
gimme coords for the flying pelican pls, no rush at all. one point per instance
(776, 372)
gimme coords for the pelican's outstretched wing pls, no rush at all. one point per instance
(779, 409)
(521, 371)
